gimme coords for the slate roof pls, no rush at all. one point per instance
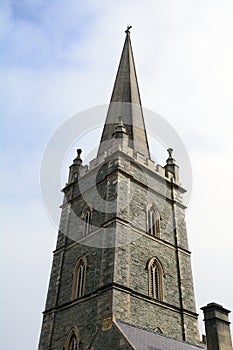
(143, 339)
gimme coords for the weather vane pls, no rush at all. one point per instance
(128, 29)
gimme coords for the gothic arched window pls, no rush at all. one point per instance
(153, 220)
(79, 277)
(155, 279)
(72, 341)
(87, 220)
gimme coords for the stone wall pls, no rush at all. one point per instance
(117, 251)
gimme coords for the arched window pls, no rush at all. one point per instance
(87, 220)
(153, 220)
(155, 279)
(72, 341)
(79, 277)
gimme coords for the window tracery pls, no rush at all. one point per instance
(87, 220)
(153, 220)
(72, 341)
(79, 277)
(155, 279)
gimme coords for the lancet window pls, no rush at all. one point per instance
(79, 277)
(72, 341)
(155, 279)
(153, 220)
(87, 220)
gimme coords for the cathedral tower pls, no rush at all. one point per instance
(121, 270)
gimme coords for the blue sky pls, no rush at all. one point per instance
(59, 58)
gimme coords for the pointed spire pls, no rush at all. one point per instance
(126, 102)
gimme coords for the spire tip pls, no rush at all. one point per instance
(128, 29)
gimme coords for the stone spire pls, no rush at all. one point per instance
(126, 102)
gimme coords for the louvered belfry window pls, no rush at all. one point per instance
(153, 221)
(79, 278)
(154, 281)
(87, 221)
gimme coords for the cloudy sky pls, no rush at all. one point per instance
(59, 57)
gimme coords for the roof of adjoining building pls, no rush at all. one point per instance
(144, 339)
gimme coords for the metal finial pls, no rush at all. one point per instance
(170, 150)
(78, 160)
(128, 29)
(79, 151)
